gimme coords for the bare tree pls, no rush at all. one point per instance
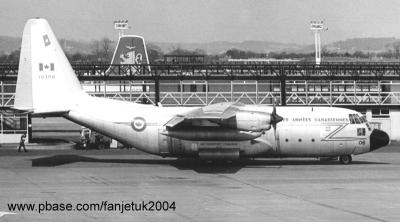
(106, 45)
(396, 49)
(96, 51)
(154, 52)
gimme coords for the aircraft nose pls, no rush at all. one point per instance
(378, 139)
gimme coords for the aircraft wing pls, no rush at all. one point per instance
(213, 113)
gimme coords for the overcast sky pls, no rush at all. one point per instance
(207, 20)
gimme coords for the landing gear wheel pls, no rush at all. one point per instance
(346, 159)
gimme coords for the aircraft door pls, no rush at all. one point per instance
(340, 147)
(326, 146)
(346, 140)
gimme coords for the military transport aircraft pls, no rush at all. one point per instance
(47, 86)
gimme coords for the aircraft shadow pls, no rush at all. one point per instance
(196, 165)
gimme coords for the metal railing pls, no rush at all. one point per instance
(292, 71)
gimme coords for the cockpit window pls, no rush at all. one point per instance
(356, 119)
(352, 119)
(369, 128)
(363, 119)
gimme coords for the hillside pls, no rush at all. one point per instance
(9, 44)
(222, 46)
(362, 44)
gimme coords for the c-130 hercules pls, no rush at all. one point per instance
(47, 86)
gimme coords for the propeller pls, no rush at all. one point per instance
(275, 119)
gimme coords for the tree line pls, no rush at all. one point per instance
(101, 51)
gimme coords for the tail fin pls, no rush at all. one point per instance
(46, 81)
(130, 50)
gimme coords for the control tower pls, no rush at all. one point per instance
(316, 27)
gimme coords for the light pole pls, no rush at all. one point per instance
(121, 26)
(316, 27)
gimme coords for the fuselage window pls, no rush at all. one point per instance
(287, 140)
(312, 140)
(299, 140)
(360, 131)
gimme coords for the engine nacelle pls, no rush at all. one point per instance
(249, 121)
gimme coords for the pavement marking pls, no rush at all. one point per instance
(2, 213)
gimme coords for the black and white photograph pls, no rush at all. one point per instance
(200, 110)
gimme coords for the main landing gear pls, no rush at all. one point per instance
(345, 159)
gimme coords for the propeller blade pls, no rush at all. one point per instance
(275, 119)
(275, 135)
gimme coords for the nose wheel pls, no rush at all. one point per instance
(345, 159)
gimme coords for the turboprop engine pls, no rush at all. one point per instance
(249, 121)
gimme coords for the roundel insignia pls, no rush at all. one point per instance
(138, 123)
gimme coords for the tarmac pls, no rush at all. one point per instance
(248, 190)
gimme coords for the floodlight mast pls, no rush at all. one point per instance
(316, 27)
(121, 26)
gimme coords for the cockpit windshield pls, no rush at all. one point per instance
(356, 119)
(363, 119)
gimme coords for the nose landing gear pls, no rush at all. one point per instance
(345, 159)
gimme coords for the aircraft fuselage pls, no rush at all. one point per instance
(304, 131)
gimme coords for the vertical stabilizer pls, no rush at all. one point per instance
(46, 81)
(130, 50)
